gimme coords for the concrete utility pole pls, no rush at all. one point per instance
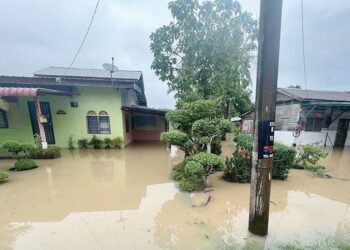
(265, 109)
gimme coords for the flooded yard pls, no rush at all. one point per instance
(124, 199)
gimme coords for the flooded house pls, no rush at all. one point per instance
(59, 102)
(326, 116)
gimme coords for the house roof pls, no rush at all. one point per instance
(302, 94)
(88, 73)
(54, 77)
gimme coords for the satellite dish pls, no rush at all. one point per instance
(110, 67)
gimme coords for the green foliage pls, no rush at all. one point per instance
(37, 141)
(283, 160)
(14, 147)
(83, 143)
(191, 184)
(27, 150)
(309, 154)
(96, 143)
(238, 168)
(118, 142)
(206, 52)
(71, 143)
(198, 127)
(211, 163)
(3, 175)
(193, 171)
(51, 152)
(24, 164)
(108, 143)
(236, 132)
(174, 137)
(244, 140)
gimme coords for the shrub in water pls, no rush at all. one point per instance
(51, 152)
(96, 142)
(24, 164)
(3, 175)
(14, 147)
(283, 160)
(118, 142)
(309, 155)
(83, 143)
(108, 143)
(71, 143)
(238, 168)
(192, 173)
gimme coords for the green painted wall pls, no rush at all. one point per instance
(74, 121)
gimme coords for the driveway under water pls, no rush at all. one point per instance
(124, 199)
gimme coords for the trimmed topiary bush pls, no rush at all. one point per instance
(24, 164)
(3, 175)
(192, 173)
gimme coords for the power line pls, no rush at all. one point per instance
(303, 44)
(85, 36)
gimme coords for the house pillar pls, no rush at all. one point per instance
(41, 126)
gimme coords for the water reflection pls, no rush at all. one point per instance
(123, 199)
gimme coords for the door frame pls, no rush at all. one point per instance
(49, 125)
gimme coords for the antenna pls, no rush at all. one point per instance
(110, 67)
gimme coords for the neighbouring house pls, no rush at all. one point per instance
(327, 116)
(59, 102)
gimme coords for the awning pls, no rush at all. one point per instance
(13, 91)
(143, 109)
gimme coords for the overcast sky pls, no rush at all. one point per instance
(39, 33)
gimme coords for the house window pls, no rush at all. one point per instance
(103, 119)
(313, 124)
(98, 124)
(3, 119)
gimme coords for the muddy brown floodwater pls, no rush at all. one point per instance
(124, 199)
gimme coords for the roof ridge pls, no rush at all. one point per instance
(60, 67)
(322, 90)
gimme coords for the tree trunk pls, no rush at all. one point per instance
(209, 147)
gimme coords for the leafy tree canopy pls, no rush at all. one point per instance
(198, 126)
(206, 51)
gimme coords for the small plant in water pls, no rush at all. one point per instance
(83, 143)
(118, 142)
(308, 157)
(3, 175)
(96, 142)
(71, 143)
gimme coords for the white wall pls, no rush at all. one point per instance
(287, 138)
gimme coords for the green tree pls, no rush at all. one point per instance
(198, 127)
(206, 51)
